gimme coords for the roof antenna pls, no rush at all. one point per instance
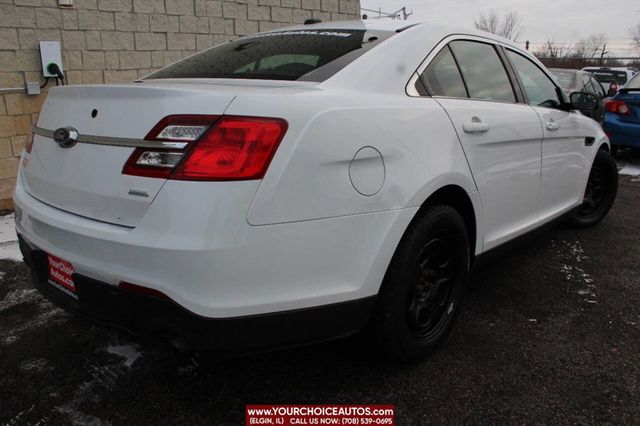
(312, 21)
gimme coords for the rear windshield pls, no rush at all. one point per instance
(309, 55)
(565, 78)
(634, 83)
(607, 76)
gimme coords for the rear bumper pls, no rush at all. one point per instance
(202, 253)
(621, 132)
(146, 315)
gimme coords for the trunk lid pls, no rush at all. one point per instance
(86, 179)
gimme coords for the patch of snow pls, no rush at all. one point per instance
(7, 229)
(36, 365)
(103, 378)
(9, 248)
(17, 419)
(572, 255)
(16, 297)
(630, 169)
(130, 353)
(48, 315)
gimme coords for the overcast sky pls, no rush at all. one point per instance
(563, 20)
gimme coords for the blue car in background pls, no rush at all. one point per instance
(622, 116)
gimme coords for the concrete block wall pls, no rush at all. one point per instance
(111, 41)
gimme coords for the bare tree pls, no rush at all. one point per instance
(594, 46)
(554, 50)
(634, 32)
(508, 26)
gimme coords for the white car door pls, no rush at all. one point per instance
(501, 138)
(565, 146)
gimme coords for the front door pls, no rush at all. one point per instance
(565, 154)
(500, 137)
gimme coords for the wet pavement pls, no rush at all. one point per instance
(549, 333)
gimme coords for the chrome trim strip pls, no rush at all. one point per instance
(110, 141)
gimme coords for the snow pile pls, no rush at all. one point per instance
(630, 169)
(9, 248)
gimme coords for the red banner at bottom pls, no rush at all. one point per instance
(320, 415)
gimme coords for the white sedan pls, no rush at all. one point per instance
(300, 184)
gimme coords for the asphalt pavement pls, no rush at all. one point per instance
(549, 333)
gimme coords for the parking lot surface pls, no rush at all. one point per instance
(549, 333)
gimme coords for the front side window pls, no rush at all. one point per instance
(483, 71)
(442, 76)
(309, 55)
(539, 88)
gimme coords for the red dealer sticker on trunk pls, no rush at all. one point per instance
(61, 275)
(320, 415)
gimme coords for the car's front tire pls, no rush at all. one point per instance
(601, 191)
(424, 285)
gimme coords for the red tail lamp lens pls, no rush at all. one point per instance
(237, 148)
(617, 107)
(209, 148)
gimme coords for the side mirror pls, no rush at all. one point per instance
(583, 101)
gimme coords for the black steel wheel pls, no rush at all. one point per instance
(600, 193)
(424, 285)
(432, 286)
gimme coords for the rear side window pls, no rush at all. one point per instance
(539, 88)
(443, 76)
(565, 78)
(483, 71)
(597, 87)
(634, 83)
(311, 55)
(588, 84)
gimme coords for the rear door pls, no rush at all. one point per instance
(565, 154)
(500, 137)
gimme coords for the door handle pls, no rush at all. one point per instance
(476, 125)
(552, 125)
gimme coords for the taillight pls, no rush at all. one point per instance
(617, 107)
(177, 129)
(29, 146)
(228, 148)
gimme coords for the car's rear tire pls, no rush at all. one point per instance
(601, 191)
(424, 285)
(614, 150)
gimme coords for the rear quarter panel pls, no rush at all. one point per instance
(309, 177)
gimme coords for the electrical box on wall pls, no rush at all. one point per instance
(50, 54)
(65, 3)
